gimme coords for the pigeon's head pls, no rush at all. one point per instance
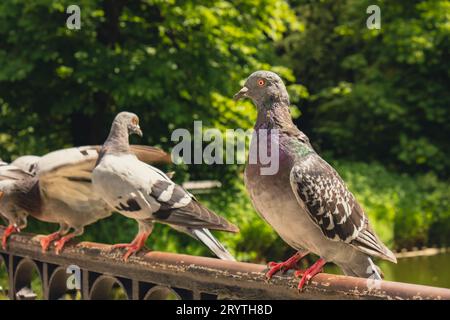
(8, 209)
(130, 121)
(264, 88)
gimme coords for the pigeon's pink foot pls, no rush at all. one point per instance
(290, 263)
(59, 245)
(310, 272)
(8, 231)
(47, 240)
(133, 247)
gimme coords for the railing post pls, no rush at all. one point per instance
(135, 289)
(12, 288)
(85, 284)
(45, 281)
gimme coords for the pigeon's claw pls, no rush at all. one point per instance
(47, 240)
(59, 245)
(8, 231)
(133, 247)
(290, 263)
(307, 275)
(131, 250)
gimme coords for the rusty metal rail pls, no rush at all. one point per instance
(158, 275)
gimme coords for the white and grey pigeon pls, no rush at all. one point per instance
(305, 201)
(144, 193)
(57, 188)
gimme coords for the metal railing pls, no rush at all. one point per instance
(158, 275)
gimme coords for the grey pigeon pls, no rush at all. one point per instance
(306, 201)
(58, 189)
(144, 193)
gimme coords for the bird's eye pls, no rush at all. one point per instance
(261, 82)
(135, 121)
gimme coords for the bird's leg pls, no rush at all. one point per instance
(8, 231)
(290, 263)
(59, 245)
(145, 228)
(310, 272)
(47, 240)
(133, 247)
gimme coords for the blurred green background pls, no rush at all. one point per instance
(375, 103)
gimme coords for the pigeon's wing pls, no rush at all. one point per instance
(66, 174)
(143, 188)
(179, 207)
(333, 207)
(150, 155)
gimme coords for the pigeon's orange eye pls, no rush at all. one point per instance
(135, 121)
(261, 82)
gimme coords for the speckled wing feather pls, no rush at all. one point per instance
(333, 207)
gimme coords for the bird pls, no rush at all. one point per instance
(142, 192)
(57, 188)
(9, 175)
(305, 201)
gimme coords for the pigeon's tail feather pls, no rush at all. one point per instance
(205, 236)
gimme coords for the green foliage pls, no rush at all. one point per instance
(375, 100)
(169, 61)
(376, 94)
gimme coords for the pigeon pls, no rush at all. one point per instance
(9, 175)
(305, 201)
(57, 188)
(144, 193)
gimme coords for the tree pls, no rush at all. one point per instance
(376, 94)
(171, 62)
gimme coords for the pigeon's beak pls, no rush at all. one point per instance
(138, 131)
(241, 94)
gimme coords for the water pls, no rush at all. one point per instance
(427, 270)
